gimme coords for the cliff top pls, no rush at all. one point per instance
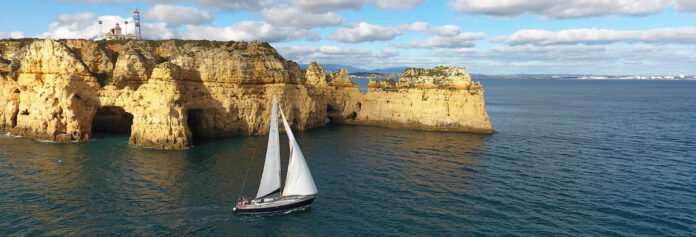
(131, 62)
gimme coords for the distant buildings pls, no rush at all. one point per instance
(116, 34)
(636, 77)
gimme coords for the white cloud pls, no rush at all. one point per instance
(333, 5)
(11, 35)
(642, 59)
(226, 4)
(418, 26)
(454, 50)
(85, 26)
(461, 40)
(563, 8)
(327, 5)
(397, 3)
(78, 25)
(248, 31)
(178, 15)
(386, 53)
(77, 20)
(91, 1)
(686, 5)
(218, 4)
(328, 54)
(333, 50)
(297, 17)
(364, 32)
(684, 35)
(445, 30)
(309, 54)
(156, 30)
(314, 5)
(446, 36)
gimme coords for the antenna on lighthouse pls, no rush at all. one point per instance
(136, 20)
(101, 35)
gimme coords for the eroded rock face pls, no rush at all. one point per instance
(438, 77)
(341, 78)
(442, 99)
(54, 97)
(316, 75)
(133, 67)
(168, 93)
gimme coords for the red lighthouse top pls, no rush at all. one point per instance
(118, 26)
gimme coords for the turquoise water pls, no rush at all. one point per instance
(591, 158)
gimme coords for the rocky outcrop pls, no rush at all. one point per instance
(168, 93)
(316, 76)
(442, 98)
(341, 78)
(438, 77)
(54, 96)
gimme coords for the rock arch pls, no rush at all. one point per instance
(112, 119)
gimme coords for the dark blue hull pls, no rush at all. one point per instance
(291, 206)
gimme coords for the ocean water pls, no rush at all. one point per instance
(580, 158)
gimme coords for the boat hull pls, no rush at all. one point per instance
(279, 205)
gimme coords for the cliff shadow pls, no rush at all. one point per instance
(14, 108)
(344, 109)
(194, 122)
(110, 120)
(201, 110)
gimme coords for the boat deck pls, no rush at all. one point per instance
(275, 204)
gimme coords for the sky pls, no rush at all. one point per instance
(609, 37)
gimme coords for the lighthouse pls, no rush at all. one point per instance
(117, 34)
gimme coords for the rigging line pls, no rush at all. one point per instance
(249, 167)
(280, 107)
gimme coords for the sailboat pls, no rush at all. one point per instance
(299, 190)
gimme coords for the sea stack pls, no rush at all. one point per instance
(166, 93)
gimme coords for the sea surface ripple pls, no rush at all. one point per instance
(578, 158)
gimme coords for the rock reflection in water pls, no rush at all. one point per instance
(106, 186)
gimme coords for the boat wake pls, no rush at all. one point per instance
(299, 209)
(45, 141)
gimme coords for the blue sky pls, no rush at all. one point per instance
(626, 37)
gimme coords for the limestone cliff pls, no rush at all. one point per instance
(167, 93)
(442, 98)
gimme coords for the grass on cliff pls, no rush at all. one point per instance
(22, 41)
(197, 43)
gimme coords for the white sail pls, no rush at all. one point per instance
(298, 180)
(270, 179)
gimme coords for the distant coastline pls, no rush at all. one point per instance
(585, 77)
(361, 73)
(367, 75)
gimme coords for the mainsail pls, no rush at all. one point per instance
(298, 180)
(270, 180)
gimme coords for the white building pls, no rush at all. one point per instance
(116, 34)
